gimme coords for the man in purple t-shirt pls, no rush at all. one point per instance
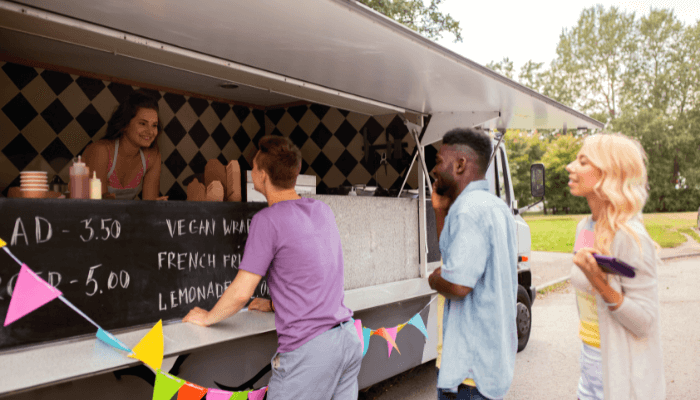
(296, 242)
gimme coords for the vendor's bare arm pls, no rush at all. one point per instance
(446, 288)
(441, 205)
(232, 301)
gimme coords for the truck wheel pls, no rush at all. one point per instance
(523, 318)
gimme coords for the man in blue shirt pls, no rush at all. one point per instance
(478, 278)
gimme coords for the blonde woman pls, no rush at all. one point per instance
(621, 355)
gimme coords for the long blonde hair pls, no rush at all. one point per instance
(622, 186)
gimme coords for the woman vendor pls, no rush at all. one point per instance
(127, 160)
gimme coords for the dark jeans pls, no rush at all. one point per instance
(465, 392)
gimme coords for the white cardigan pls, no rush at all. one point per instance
(630, 338)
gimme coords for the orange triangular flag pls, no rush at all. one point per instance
(190, 391)
(150, 349)
(383, 333)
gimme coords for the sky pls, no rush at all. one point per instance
(530, 29)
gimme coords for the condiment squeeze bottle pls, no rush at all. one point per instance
(79, 180)
(95, 187)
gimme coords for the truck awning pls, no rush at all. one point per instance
(334, 52)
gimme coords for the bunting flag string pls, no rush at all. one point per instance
(166, 385)
(32, 292)
(190, 391)
(150, 349)
(389, 334)
(218, 394)
(112, 340)
(3, 244)
(257, 394)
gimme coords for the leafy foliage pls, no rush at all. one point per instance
(641, 76)
(426, 20)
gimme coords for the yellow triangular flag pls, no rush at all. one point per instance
(150, 349)
(3, 243)
(400, 327)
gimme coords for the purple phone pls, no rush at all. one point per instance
(612, 265)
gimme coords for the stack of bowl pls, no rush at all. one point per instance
(33, 184)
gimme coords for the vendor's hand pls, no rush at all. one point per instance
(588, 265)
(436, 274)
(163, 198)
(440, 202)
(260, 305)
(196, 316)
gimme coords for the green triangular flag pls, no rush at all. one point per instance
(240, 395)
(166, 386)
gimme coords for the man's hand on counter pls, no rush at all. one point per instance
(232, 301)
(197, 316)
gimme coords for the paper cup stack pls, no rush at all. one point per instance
(33, 184)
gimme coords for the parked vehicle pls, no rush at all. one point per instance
(376, 87)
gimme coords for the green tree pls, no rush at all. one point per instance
(532, 75)
(590, 68)
(560, 152)
(523, 150)
(503, 67)
(661, 97)
(424, 19)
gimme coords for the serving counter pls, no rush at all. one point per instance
(380, 249)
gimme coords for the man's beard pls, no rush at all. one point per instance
(442, 188)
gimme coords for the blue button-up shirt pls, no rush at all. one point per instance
(479, 250)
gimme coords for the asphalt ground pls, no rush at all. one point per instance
(548, 367)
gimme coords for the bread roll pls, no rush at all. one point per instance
(214, 171)
(233, 181)
(215, 191)
(196, 191)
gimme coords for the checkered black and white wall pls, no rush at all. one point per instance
(49, 117)
(332, 144)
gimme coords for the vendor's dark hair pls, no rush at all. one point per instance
(280, 159)
(127, 110)
(476, 139)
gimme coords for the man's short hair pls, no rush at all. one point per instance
(280, 159)
(475, 139)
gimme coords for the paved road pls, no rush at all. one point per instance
(548, 367)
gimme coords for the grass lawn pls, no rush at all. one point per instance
(557, 232)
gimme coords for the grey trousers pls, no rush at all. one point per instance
(326, 367)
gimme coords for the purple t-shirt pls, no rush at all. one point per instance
(298, 241)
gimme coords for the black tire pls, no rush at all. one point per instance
(523, 318)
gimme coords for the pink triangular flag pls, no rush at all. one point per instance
(358, 327)
(257, 394)
(217, 394)
(392, 333)
(585, 238)
(387, 336)
(30, 293)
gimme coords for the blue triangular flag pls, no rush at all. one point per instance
(365, 334)
(417, 321)
(111, 340)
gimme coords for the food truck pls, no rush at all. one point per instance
(364, 98)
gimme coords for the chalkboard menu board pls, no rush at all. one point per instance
(123, 263)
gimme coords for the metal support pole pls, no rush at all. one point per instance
(422, 229)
